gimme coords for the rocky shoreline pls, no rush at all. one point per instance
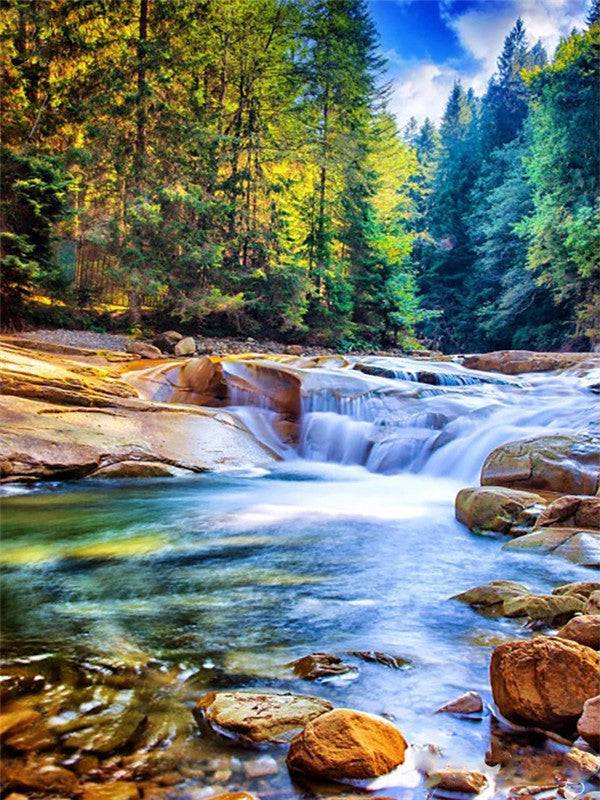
(141, 729)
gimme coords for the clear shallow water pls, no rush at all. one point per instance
(233, 576)
(248, 573)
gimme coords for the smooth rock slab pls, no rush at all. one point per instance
(252, 719)
(347, 745)
(494, 508)
(544, 682)
(588, 724)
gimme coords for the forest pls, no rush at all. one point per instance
(237, 160)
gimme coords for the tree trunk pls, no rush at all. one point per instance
(141, 110)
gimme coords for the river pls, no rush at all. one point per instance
(348, 544)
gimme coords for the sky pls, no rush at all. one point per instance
(431, 43)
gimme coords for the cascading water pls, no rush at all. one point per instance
(397, 415)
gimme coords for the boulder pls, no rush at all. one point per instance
(139, 469)
(569, 464)
(492, 594)
(293, 349)
(347, 745)
(320, 665)
(185, 347)
(167, 340)
(582, 588)
(143, 349)
(580, 547)
(252, 718)
(546, 609)
(584, 629)
(592, 605)
(455, 780)
(495, 508)
(468, 704)
(572, 511)
(543, 682)
(588, 724)
(516, 362)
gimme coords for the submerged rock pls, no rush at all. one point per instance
(320, 665)
(376, 657)
(468, 704)
(580, 547)
(543, 682)
(583, 629)
(454, 780)
(37, 777)
(495, 508)
(588, 724)
(569, 464)
(347, 745)
(253, 718)
(116, 790)
(106, 733)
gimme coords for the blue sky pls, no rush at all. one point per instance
(431, 43)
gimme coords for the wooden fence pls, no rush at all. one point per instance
(93, 269)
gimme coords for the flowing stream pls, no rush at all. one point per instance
(348, 544)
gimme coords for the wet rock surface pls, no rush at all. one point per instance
(468, 704)
(453, 780)
(346, 744)
(588, 724)
(569, 464)
(517, 362)
(583, 629)
(321, 665)
(543, 682)
(62, 419)
(254, 718)
(496, 508)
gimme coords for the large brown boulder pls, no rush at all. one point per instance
(569, 464)
(584, 629)
(253, 718)
(588, 725)
(347, 745)
(543, 682)
(495, 508)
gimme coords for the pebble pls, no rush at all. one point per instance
(260, 767)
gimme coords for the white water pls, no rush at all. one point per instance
(396, 424)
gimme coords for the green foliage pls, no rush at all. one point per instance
(33, 198)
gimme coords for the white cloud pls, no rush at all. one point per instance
(421, 91)
(421, 88)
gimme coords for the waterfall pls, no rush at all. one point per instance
(389, 415)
